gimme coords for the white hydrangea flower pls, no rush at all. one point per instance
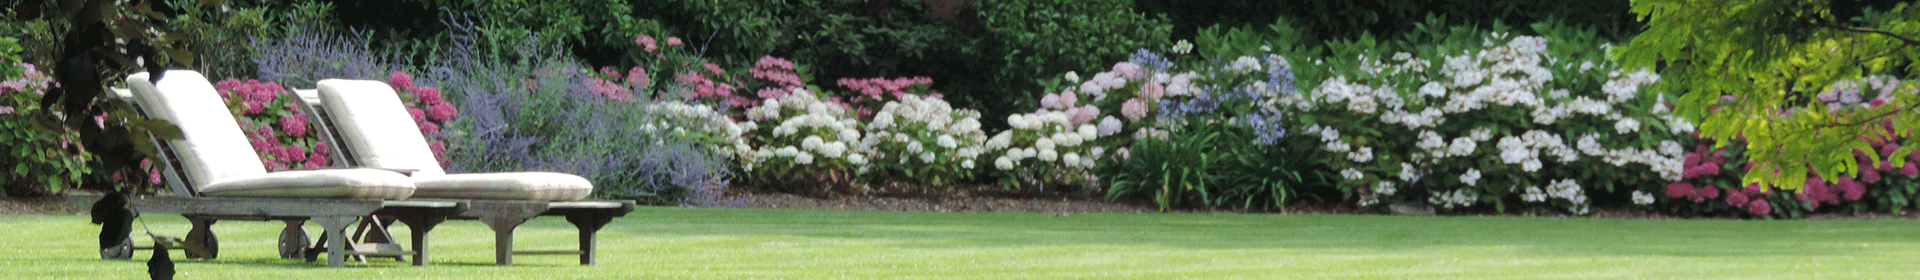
(1043, 144)
(1363, 154)
(1642, 198)
(1461, 147)
(1627, 126)
(803, 158)
(946, 141)
(1003, 163)
(1533, 194)
(1351, 174)
(857, 159)
(1407, 173)
(1471, 177)
(833, 149)
(926, 157)
(1048, 155)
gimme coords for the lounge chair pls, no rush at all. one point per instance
(376, 131)
(214, 175)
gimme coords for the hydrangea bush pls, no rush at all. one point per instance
(803, 144)
(430, 110)
(279, 130)
(38, 161)
(1712, 174)
(921, 138)
(1490, 119)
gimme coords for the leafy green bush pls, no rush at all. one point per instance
(1211, 165)
(221, 34)
(40, 160)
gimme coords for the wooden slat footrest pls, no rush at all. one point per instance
(574, 252)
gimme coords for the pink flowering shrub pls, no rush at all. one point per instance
(869, 93)
(279, 131)
(1711, 176)
(430, 110)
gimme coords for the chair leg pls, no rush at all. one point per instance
(420, 224)
(335, 230)
(503, 217)
(589, 225)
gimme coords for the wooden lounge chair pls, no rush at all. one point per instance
(376, 131)
(214, 175)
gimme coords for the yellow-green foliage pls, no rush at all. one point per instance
(1753, 69)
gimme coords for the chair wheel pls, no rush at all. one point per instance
(121, 252)
(294, 243)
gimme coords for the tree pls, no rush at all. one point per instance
(1774, 74)
(100, 43)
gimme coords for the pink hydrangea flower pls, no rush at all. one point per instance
(673, 41)
(1050, 101)
(1083, 114)
(259, 144)
(715, 68)
(1735, 198)
(1759, 207)
(428, 95)
(646, 42)
(1108, 126)
(638, 77)
(320, 148)
(226, 87)
(419, 116)
(1679, 190)
(400, 80)
(442, 111)
(294, 153)
(429, 129)
(316, 161)
(439, 149)
(294, 125)
(1128, 70)
(1133, 109)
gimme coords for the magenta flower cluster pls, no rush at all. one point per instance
(276, 128)
(429, 109)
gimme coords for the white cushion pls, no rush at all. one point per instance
(376, 127)
(379, 133)
(542, 186)
(219, 161)
(347, 183)
(212, 147)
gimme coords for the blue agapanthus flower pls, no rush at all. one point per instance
(1149, 60)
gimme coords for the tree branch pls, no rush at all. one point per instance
(1904, 39)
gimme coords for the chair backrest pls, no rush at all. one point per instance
(212, 146)
(375, 126)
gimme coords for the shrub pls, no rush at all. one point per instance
(1476, 124)
(804, 145)
(310, 54)
(546, 112)
(276, 126)
(430, 110)
(39, 161)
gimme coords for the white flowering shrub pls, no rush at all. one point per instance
(1490, 119)
(924, 139)
(699, 123)
(801, 143)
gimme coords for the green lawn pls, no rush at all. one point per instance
(760, 243)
